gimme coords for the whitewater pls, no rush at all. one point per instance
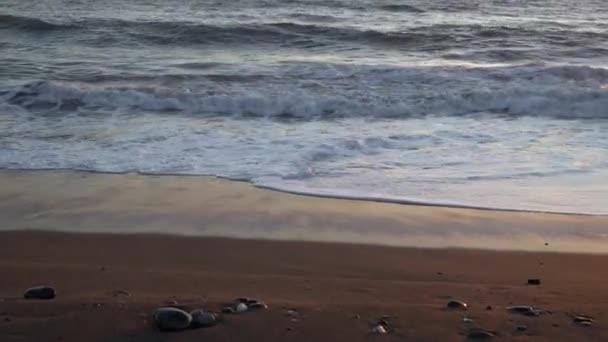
(487, 104)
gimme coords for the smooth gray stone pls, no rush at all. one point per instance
(202, 319)
(40, 292)
(168, 318)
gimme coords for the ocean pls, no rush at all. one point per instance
(492, 104)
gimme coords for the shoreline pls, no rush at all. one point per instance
(209, 206)
(387, 200)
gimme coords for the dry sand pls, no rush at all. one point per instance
(337, 289)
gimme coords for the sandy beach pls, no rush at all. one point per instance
(116, 247)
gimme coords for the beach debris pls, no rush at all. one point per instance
(533, 281)
(457, 305)
(583, 320)
(480, 334)
(171, 319)
(525, 310)
(521, 327)
(40, 292)
(202, 319)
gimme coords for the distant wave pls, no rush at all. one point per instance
(29, 24)
(400, 8)
(435, 37)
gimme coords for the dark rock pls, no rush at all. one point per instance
(257, 305)
(489, 308)
(525, 310)
(533, 281)
(546, 244)
(583, 320)
(40, 292)
(480, 334)
(202, 319)
(439, 273)
(457, 305)
(522, 327)
(242, 300)
(171, 319)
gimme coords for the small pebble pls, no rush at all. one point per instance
(524, 310)
(40, 292)
(457, 304)
(480, 334)
(583, 320)
(122, 293)
(379, 329)
(172, 319)
(228, 310)
(522, 327)
(357, 317)
(241, 307)
(467, 320)
(384, 323)
(489, 307)
(533, 281)
(257, 305)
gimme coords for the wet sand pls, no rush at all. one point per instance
(207, 206)
(337, 289)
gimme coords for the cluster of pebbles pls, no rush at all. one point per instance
(172, 318)
(476, 333)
